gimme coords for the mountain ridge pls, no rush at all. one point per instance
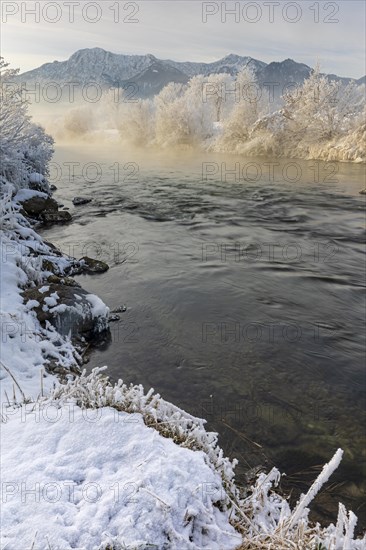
(151, 74)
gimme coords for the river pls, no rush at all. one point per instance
(245, 298)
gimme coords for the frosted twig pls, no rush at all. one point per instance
(322, 478)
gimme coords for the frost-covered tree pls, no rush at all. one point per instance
(135, 122)
(79, 121)
(172, 124)
(24, 146)
(320, 109)
(219, 93)
(248, 107)
(320, 119)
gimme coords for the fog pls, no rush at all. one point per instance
(318, 120)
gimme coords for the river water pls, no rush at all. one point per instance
(245, 299)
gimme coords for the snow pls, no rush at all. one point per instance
(32, 304)
(44, 289)
(99, 309)
(52, 300)
(35, 177)
(25, 194)
(100, 475)
(26, 346)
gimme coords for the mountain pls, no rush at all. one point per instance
(150, 74)
(231, 64)
(283, 72)
(91, 65)
(153, 79)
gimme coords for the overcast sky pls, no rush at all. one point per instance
(329, 32)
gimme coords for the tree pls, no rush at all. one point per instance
(320, 109)
(24, 146)
(245, 112)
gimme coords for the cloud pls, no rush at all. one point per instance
(176, 30)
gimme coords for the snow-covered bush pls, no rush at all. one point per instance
(25, 148)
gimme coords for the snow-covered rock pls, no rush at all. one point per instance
(71, 310)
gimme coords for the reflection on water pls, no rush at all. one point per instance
(245, 300)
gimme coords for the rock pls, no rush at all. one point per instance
(363, 192)
(93, 266)
(68, 281)
(77, 201)
(50, 217)
(38, 182)
(53, 188)
(120, 309)
(38, 204)
(72, 311)
(113, 318)
(55, 250)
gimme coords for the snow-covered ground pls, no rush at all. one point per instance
(75, 478)
(25, 345)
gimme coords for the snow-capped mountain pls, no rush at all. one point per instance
(231, 63)
(153, 79)
(150, 74)
(91, 65)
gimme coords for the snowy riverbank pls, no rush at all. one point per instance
(142, 480)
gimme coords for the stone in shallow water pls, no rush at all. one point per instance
(93, 266)
(55, 217)
(113, 318)
(68, 281)
(77, 201)
(37, 205)
(120, 309)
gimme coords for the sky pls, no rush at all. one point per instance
(331, 33)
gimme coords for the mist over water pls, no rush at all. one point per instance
(320, 119)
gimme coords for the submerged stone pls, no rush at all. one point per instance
(77, 201)
(55, 217)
